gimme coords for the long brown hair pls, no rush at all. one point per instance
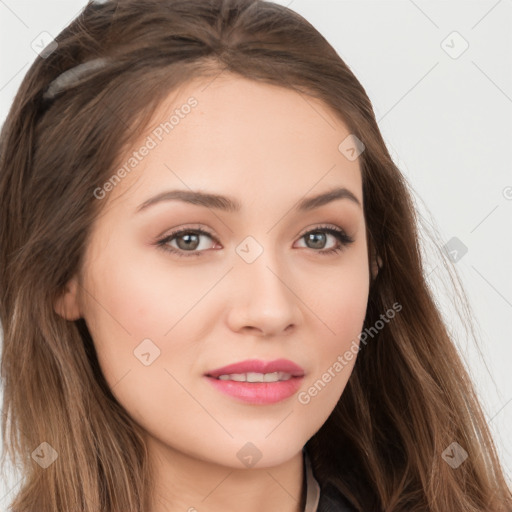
(409, 396)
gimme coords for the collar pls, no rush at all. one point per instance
(312, 487)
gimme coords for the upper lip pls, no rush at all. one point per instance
(259, 366)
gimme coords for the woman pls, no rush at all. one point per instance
(212, 289)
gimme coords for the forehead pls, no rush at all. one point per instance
(239, 137)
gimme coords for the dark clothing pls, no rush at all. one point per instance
(326, 499)
(331, 500)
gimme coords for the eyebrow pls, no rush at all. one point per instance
(230, 204)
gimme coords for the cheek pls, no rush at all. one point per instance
(340, 301)
(349, 310)
(341, 309)
(143, 296)
(137, 317)
(140, 310)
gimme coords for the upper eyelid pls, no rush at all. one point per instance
(187, 229)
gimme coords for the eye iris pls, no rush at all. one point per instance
(317, 238)
(188, 236)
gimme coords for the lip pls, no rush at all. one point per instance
(259, 366)
(258, 392)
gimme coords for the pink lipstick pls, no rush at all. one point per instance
(258, 382)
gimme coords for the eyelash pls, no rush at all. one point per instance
(343, 239)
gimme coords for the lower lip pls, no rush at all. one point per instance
(258, 392)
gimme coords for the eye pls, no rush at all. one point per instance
(188, 240)
(318, 236)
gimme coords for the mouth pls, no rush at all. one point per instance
(258, 382)
(256, 377)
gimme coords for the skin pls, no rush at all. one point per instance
(267, 147)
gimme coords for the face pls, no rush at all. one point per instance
(272, 277)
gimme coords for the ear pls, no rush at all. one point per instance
(66, 305)
(376, 263)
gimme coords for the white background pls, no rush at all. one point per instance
(447, 123)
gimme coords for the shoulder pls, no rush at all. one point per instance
(332, 500)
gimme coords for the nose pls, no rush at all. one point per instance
(264, 301)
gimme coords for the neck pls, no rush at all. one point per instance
(184, 483)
